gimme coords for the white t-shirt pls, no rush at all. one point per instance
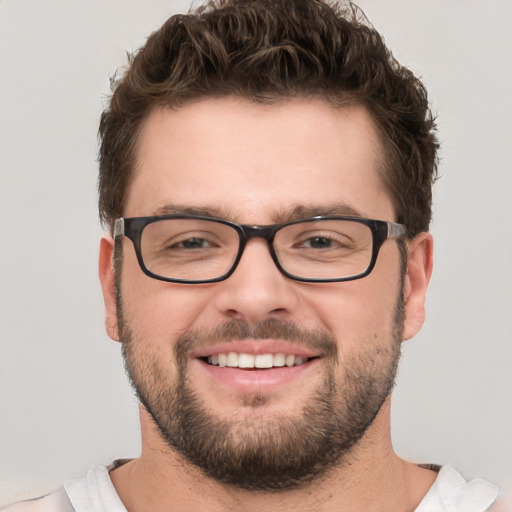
(95, 493)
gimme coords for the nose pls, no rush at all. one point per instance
(256, 290)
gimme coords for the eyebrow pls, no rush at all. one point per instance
(205, 211)
(296, 213)
(306, 212)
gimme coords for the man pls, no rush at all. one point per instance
(266, 172)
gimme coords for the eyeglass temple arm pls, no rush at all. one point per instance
(118, 227)
(394, 230)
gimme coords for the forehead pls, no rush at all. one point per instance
(253, 163)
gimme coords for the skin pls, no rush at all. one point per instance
(255, 163)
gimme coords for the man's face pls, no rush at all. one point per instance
(261, 164)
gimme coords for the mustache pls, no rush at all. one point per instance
(236, 330)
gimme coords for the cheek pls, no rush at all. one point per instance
(358, 313)
(157, 310)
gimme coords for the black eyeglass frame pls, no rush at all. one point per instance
(132, 228)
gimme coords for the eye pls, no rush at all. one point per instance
(323, 241)
(191, 243)
(318, 242)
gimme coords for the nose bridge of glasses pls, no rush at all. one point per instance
(265, 232)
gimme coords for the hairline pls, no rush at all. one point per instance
(384, 158)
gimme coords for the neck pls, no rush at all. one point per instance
(371, 478)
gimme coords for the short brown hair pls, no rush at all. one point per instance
(266, 50)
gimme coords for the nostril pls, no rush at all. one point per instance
(234, 314)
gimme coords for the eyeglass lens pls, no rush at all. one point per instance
(197, 249)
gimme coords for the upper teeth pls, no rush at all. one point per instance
(242, 360)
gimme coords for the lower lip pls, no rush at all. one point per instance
(257, 380)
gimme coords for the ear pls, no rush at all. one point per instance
(106, 271)
(419, 270)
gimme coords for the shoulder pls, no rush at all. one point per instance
(92, 493)
(56, 501)
(452, 493)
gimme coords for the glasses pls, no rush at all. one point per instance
(195, 249)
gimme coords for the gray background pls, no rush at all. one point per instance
(65, 404)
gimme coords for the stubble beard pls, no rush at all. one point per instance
(257, 452)
(261, 452)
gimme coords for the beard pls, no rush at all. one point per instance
(259, 452)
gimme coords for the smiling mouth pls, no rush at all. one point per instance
(259, 361)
